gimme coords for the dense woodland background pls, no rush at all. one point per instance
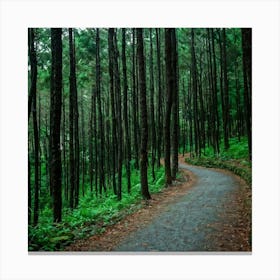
(106, 105)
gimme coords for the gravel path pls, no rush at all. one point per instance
(186, 224)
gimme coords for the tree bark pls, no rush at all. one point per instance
(247, 77)
(102, 185)
(119, 115)
(134, 103)
(112, 95)
(226, 93)
(175, 106)
(33, 92)
(74, 128)
(159, 101)
(55, 118)
(169, 99)
(195, 97)
(125, 114)
(152, 109)
(215, 98)
(143, 114)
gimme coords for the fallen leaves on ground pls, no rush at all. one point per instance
(114, 234)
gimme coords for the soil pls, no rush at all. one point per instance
(203, 211)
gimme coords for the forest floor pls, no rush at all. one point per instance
(204, 210)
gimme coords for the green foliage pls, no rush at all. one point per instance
(234, 159)
(92, 215)
(237, 150)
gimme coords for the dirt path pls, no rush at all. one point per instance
(195, 222)
(205, 216)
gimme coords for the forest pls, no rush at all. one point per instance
(111, 110)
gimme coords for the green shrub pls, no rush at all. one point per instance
(91, 216)
(234, 159)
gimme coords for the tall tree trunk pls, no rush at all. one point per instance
(201, 104)
(215, 98)
(112, 95)
(83, 138)
(71, 129)
(90, 144)
(239, 114)
(195, 97)
(169, 90)
(247, 76)
(33, 92)
(119, 116)
(175, 106)
(190, 116)
(76, 134)
(74, 129)
(159, 101)
(55, 118)
(143, 114)
(134, 102)
(108, 139)
(125, 114)
(100, 118)
(95, 163)
(224, 87)
(64, 161)
(226, 93)
(152, 109)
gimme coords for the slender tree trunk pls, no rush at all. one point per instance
(175, 106)
(195, 97)
(55, 118)
(100, 118)
(169, 89)
(95, 164)
(91, 142)
(108, 139)
(64, 165)
(134, 102)
(74, 130)
(112, 94)
(143, 114)
(190, 116)
(226, 94)
(247, 76)
(119, 116)
(40, 148)
(152, 109)
(71, 133)
(33, 92)
(201, 105)
(83, 146)
(159, 101)
(237, 101)
(125, 114)
(215, 98)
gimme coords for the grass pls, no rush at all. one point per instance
(91, 217)
(234, 159)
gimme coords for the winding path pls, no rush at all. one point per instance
(194, 222)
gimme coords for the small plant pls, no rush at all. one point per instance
(91, 217)
(234, 159)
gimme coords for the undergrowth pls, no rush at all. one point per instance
(234, 159)
(91, 217)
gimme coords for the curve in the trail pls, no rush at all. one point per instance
(184, 226)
